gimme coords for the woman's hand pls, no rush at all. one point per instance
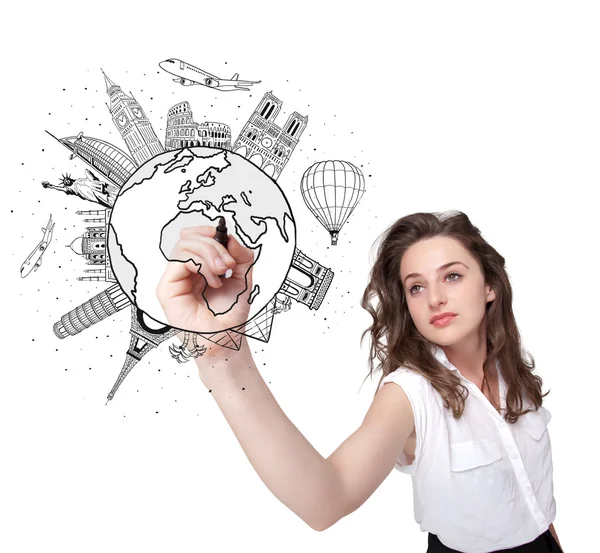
(195, 298)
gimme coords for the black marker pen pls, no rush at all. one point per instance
(221, 234)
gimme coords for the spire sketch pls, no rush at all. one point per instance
(133, 125)
(144, 337)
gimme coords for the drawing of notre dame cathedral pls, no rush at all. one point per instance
(132, 123)
(263, 142)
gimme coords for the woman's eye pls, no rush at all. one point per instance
(411, 289)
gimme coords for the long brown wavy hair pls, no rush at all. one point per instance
(395, 340)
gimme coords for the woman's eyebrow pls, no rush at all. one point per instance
(445, 266)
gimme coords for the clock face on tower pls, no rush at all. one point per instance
(138, 112)
(122, 120)
(266, 142)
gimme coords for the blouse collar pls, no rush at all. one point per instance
(441, 356)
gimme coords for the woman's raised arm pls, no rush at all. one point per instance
(320, 491)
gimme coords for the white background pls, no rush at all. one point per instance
(489, 108)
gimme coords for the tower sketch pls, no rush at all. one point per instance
(94, 310)
(131, 121)
(265, 144)
(143, 339)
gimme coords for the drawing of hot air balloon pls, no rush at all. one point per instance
(331, 190)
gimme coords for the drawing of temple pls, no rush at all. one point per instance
(265, 144)
(132, 123)
(91, 245)
(182, 132)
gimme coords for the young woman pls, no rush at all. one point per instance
(462, 413)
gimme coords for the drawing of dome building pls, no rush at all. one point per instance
(110, 161)
(91, 245)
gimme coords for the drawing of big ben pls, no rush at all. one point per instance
(134, 126)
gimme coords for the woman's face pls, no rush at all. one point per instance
(439, 287)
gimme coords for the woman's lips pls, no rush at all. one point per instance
(444, 321)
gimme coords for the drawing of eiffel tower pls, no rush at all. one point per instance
(143, 339)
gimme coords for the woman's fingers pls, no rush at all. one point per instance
(178, 272)
(235, 250)
(185, 254)
(205, 267)
(206, 248)
(239, 252)
(191, 290)
(207, 235)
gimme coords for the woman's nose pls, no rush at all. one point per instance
(436, 297)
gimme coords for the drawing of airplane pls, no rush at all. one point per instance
(33, 262)
(188, 75)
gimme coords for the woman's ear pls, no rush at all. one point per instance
(490, 294)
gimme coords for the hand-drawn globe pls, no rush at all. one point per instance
(191, 187)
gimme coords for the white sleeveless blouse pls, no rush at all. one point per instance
(479, 483)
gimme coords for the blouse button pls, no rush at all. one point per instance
(514, 456)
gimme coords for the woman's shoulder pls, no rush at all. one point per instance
(405, 376)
